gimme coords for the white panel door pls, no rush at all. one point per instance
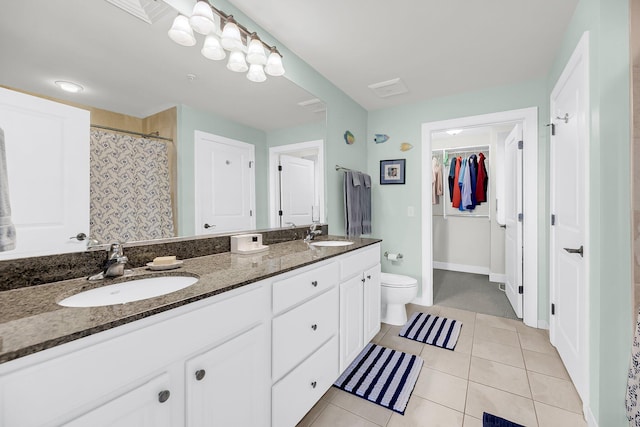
(47, 153)
(230, 385)
(297, 190)
(513, 207)
(224, 184)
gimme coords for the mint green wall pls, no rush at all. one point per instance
(610, 199)
(310, 132)
(401, 233)
(190, 120)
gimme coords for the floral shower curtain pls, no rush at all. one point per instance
(130, 188)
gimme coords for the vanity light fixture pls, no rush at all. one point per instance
(222, 33)
(69, 86)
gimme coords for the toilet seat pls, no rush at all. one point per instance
(397, 281)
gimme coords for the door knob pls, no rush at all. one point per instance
(80, 237)
(163, 396)
(209, 226)
(200, 373)
(580, 251)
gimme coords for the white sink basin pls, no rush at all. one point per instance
(331, 243)
(133, 290)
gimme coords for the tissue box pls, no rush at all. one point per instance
(247, 244)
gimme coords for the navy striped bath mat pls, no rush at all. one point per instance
(383, 376)
(431, 329)
(489, 420)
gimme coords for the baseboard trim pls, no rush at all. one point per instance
(476, 269)
(588, 415)
(497, 278)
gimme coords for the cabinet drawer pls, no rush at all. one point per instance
(289, 292)
(304, 386)
(297, 333)
(351, 265)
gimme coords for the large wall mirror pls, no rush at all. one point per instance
(136, 81)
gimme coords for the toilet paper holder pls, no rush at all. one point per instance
(399, 257)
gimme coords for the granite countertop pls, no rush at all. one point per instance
(31, 320)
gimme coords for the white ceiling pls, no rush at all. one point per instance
(437, 47)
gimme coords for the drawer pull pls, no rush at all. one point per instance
(314, 384)
(314, 283)
(200, 373)
(163, 396)
(369, 276)
(314, 326)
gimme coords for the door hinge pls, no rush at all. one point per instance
(280, 213)
(553, 309)
(553, 219)
(520, 145)
(521, 290)
(520, 217)
(279, 168)
(553, 128)
(251, 212)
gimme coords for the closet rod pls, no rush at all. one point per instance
(470, 147)
(145, 135)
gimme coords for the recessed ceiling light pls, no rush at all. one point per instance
(454, 132)
(69, 86)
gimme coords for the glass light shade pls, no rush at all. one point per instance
(274, 65)
(236, 62)
(231, 37)
(212, 48)
(202, 18)
(255, 52)
(181, 32)
(256, 73)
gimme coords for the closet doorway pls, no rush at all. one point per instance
(296, 184)
(466, 248)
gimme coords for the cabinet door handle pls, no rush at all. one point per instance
(314, 326)
(163, 396)
(314, 283)
(369, 276)
(200, 373)
(363, 280)
(313, 384)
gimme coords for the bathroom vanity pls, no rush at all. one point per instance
(256, 341)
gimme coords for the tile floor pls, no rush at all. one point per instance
(500, 366)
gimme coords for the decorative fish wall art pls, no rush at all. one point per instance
(405, 146)
(379, 138)
(349, 138)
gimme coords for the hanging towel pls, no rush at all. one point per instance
(436, 182)
(633, 380)
(365, 203)
(456, 188)
(356, 178)
(452, 174)
(482, 180)
(7, 229)
(352, 207)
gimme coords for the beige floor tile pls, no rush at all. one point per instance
(497, 322)
(376, 339)
(384, 327)
(447, 361)
(528, 330)
(481, 398)
(464, 316)
(370, 411)
(499, 375)
(544, 363)
(498, 353)
(550, 416)
(392, 340)
(465, 340)
(555, 392)
(496, 335)
(334, 416)
(470, 421)
(413, 308)
(330, 393)
(539, 343)
(445, 389)
(421, 413)
(313, 414)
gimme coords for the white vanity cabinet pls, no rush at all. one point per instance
(305, 341)
(143, 373)
(359, 301)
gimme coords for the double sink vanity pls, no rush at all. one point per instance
(251, 340)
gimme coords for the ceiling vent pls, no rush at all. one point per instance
(314, 105)
(389, 88)
(149, 11)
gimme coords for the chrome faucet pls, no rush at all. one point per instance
(114, 266)
(312, 233)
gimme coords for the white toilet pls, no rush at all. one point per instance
(397, 290)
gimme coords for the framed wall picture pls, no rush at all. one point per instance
(392, 171)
